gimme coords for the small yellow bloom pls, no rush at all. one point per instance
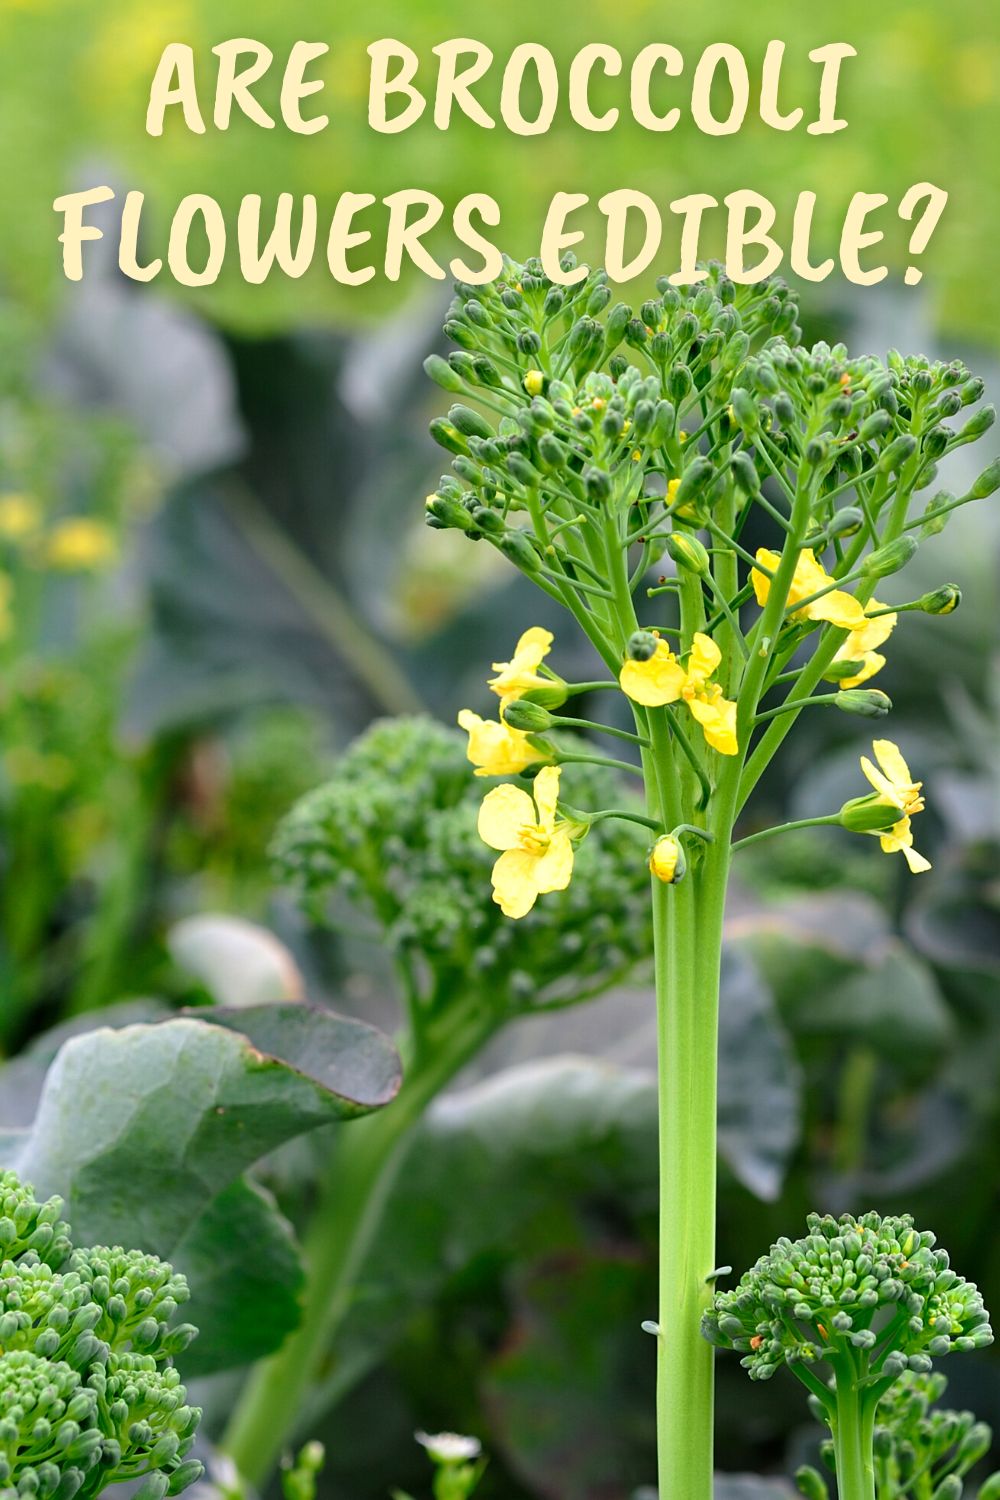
(495, 749)
(662, 679)
(80, 544)
(664, 857)
(20, 515)
(861, 643)
(520, 675)
(534, 382)
(838, 607)
(536, 851)
(894, 784)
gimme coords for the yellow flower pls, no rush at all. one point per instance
(894, 784)
(664, 858)
(79, 544)
(20, 515)
(861, 643)
(536, 851)
(838, 607)
(662, 680)
(495, 749)
(520, 675)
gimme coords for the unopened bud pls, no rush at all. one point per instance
(811, 1484)
(641, 646)
(687, 552)
(892, 458)
(990, 1489)
(448, 514)
(745, 410)
(442, 373)
(890, 558)
(875, 426)
(744, 471)
(949, 1489)
(988, 481)
(520, 551)
(534, 382)
(841, 671)
(448, 436)
(981, 422)
(870, 814)
(527, 716)
(667, 861)
(943, 601)
(869, 703)
(846, 522)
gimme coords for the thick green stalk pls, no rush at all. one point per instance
(853, 1431)
(339, 1237)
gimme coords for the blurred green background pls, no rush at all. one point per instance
(254, 584)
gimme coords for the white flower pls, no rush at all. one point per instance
(449, 1447)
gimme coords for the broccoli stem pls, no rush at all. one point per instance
(343, 1228)
(853, 1426)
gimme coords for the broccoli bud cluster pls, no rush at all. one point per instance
(88, 1393)
(876, 1286)
(392, 838)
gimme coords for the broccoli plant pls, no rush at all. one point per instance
(866, 1301)
(389, 848)
(89, 1396)
(922, 1451)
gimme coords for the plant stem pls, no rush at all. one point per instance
(340, 1235)
(853, 1429)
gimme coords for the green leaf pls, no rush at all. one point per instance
(140, 1129)
(246, 1276)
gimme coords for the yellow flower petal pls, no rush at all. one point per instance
(917, 863)
(654, 682)
(761, 582)
(504, 812)
(893, 765)
(520, 674)
(554, 868)
(515, 887)
(717, 717)
(494, 748)
(837, 607)
(704, 659)
(546, 791)
(872, 663)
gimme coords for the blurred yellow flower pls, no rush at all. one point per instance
(662, 679)
(894, 784)
(520, 674)
(536, 852)
(495, 749)
(861, 643)
(837, 607)
(80, 544)
(20, 515)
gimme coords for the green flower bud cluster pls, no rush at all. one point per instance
(872, 1286)
(88, 1393)
(392, 838)
(28, 1225)
(576, 420)
(917, 1439)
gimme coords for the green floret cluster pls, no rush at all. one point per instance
(875, 1287)
(393, 837)
(89, 1397)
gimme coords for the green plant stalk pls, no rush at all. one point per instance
(340, 1235)
(853, 1424)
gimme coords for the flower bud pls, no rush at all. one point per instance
(534, 382)
(693, 481)
(598, 484)
(890, 558)
(679, 383)
(616, 324)
(641, 645)
(527, 715)
(667, 862)
(516, 546)
(441, 372)
(687, 552)
(949, 1489)
(810, 1484)
(892, 458)
(981, 422)
(869, 703)
(745, 410)
(990, 1489)
(869, 814)
(874, 426)
(943, 601)
(988, 481)
(469, 422)
(663, 426)
(744, 471)
(839, 671)
(447, 513)
(846, 522)
(447, 436)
